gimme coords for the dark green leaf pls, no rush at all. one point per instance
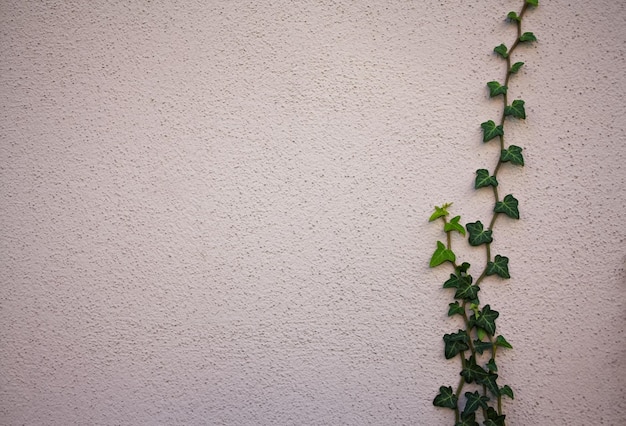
(490, 381)
(454, 225)
(481, 346)
(440, 212)
(513, 154)
(516, 109)
(501, 341)
(506, 390)
(512, 16)
(455, 343)
(496, 89)
(472, 371)
(441, 255)
(463, 268)
(533, 2)
(486, 319)
(493, 418)
(501, 50)
(455, 308)
(474, 402)
(492, 366)
(483, 179)
(515, 67)
(490, 130)
(478, 235)
(499, 266)
(527, 37)
(467, 420)
(508, 206)
(458, 280)
(446, 398)
(467, 292)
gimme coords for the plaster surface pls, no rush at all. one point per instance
(215, 212)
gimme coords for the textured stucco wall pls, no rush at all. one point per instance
(215, 212)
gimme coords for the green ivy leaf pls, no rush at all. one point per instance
(483, 179)
(478, 235)
(472, 371)
(508, 206)
(454, 225)
(480, 346)
(474, 402)
(533, 2)
(501, 50)
(455, 308)
(440, 212)
(506, 390)
(515, 67)
(527, 37)
(492, 366)
(516, 109)
(496, 89)
(501, 341)
(493, 418)
(467, 420)
(465, 290)
(490, 130)
(512, 154)
(446, 398)
(499, 266)
(441, 255)
(487, 320)
(455, 343)
(490, 381)
(512, 16)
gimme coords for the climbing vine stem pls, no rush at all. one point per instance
(477, 345)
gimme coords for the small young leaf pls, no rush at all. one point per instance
(478, 235)
(499, 266)
(474, 402)
(441, 255)
(506, 390)
(446, 398)
(490, 130)
(455, 308)
(455, 343)
(515, 67)
(440, 212)
(472, 371)
(487, 320)
(483, 179)
(527, 37)
(533, 2)
(516, 109)
(513, 154)
(508, 206)
(454, 225)
(501, 50)
(492, 366)
(496, 89)
(512, 16)
(501, 341)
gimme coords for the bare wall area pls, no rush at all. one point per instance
(216, 212)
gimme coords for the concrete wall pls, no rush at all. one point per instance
(215, 212)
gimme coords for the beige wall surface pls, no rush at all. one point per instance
(216, 212)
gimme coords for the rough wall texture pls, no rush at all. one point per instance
(214, 212)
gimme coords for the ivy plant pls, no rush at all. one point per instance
(479, 393)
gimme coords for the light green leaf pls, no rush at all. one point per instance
(501, 50)
(527, 37)
(490, 130)
(454, 225)
(512, 154)
(516, 109)
(533, 2)
(496, 89)
(512, 16)
(508, 206)
(440, 212)
(441, 255)
(515, 67)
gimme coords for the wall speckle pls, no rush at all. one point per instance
(216, 212)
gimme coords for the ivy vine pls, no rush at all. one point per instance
(477, 345)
